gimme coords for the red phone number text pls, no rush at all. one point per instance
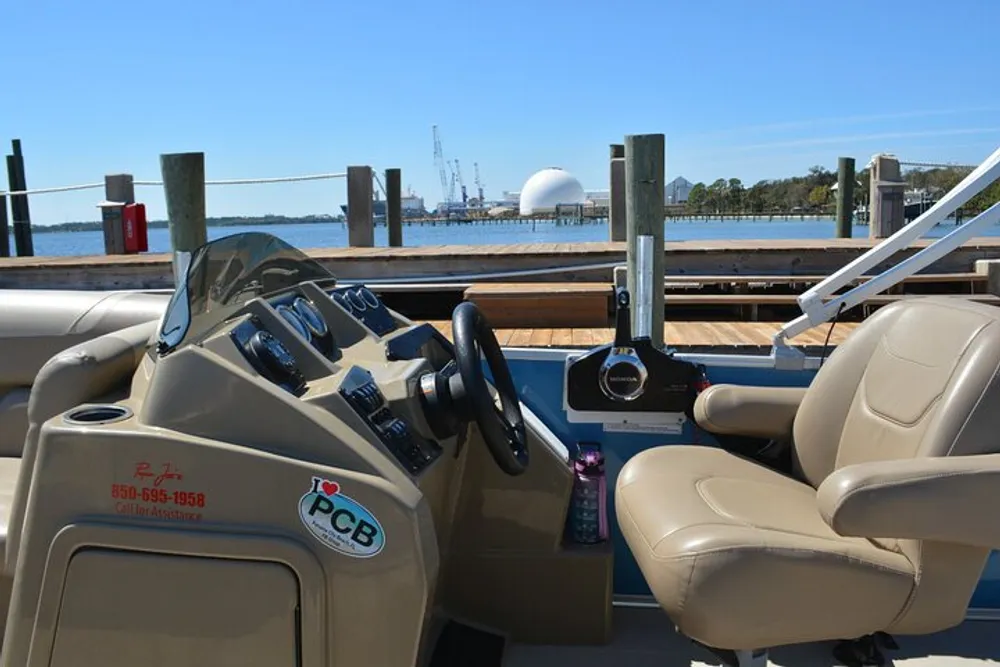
(158, 496)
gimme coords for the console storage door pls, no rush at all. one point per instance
(124, 609)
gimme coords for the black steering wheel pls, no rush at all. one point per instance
(503, 430)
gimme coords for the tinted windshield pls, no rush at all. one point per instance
(226, 273)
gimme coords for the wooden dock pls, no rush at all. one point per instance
(581, 261)
(685, 336)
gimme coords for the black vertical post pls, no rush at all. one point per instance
(4, 228)
(394, 206)
(845, 197)
(19, 203)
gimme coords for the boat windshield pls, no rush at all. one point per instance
(226, 273)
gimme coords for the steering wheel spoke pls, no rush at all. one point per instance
(502, 426)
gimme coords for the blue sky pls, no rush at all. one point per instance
(747, 89)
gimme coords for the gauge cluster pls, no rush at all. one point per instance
(362, 304)
(307, 321)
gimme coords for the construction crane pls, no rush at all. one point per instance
(439, 163)
(461, 183)
(479, 183)
(450, 196)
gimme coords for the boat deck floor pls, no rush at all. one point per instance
(646, 638)
(676, 334)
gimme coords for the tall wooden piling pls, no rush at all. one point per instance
(845, 197)
(394, 206)
(19, 212)
(645, 167)
(360, 223)
(4, 227)
(184, 189)
(119, 190)
(616, 194)
(887, 209)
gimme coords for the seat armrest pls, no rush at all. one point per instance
(764, 412)
(78, 373)
(945, 499)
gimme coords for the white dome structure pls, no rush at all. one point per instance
(548, 189)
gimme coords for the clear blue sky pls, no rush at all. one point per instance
(747, 89)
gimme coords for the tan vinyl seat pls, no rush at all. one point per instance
(889, 519)
(76, 375)
(35, 325)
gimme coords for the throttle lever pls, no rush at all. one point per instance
(623, 319)
(622, 376)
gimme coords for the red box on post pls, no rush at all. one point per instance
(135, 231)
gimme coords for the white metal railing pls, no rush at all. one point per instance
(818, 303)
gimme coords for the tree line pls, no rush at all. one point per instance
(814, 192)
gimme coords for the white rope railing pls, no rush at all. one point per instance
(45, 191)
(231, 181)
(258, 181)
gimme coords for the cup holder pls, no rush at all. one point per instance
(96, 415)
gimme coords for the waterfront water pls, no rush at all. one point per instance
(334, 234)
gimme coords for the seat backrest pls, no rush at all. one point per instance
(917, 379)
(76, 375)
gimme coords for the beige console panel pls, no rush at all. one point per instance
(205, 512)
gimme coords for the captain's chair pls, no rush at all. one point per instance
(891, 514)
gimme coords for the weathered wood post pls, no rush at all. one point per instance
(887, 210)
(19, 212)
(845, 197)
(616, 194)
(645, 166)
(4, 228)
(119, 190)
(184, 189)
(394, 206)
(360, 224)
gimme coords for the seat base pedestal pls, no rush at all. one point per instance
(731, 658)
(865, 651)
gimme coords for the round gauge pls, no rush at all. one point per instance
(342, 301)
(311, 316)
(293, 319)
(357, 301)
(272, 353)
(369, 297)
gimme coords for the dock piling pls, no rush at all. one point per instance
(19, 212)
(845, 197)
(360, 224)
(887, 211)
(645, 166)
(4, 228)
(184, 189)
(394, 206)
(616, 194)
(118, 191)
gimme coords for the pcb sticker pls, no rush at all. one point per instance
(339, 522)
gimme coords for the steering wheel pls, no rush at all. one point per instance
(503, 430)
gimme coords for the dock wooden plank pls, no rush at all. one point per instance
(520, 338)
(677, 334)
(540, 338)
(582, 338)
(577, 304)
(562, 337)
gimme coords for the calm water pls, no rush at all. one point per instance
(335, 234)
